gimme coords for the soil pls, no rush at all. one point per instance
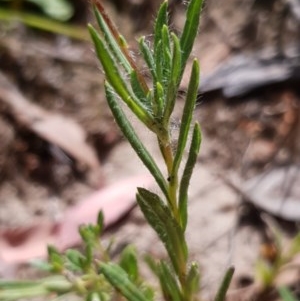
(241, 138)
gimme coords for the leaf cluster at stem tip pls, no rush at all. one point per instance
(154, 103)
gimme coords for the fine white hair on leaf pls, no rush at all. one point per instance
(149, 36)
(126, 76)
(132, 55)
(185, 2)
(148, 40)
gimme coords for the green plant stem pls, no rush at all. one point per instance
(172, 179)
(172, 190)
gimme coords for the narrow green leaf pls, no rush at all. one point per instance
(148, 57)
(58, 284)
(134, 140)
(119, 279)
(110, 68)
(100, 221)
(158, 100)
(89, 234)
(187, 173)
(165, 34)
(40, 264)
(265, 273)
(111, 42)
(166, 55)
(162, 221)
(89, 256)
(23, 293)
(152, 264)
(187, 116)
(43, 23)
(176, 60)
(159, 61)
(17, 284)
(161, 20)
(138, 89)
(55, 259)
(122, 41)
(116, 80)
(129, 263)
(192, 281)
(221, 294)
(122, 47)
(286, 294)
(75, 259)
(169, 283)
(19, 289)
(174, 80)
(148, 291)
(190, 29)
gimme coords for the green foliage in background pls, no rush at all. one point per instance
(286, 294)
(60, 10)
(53, 16)
(268, 270)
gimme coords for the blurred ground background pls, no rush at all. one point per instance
(59, 143)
